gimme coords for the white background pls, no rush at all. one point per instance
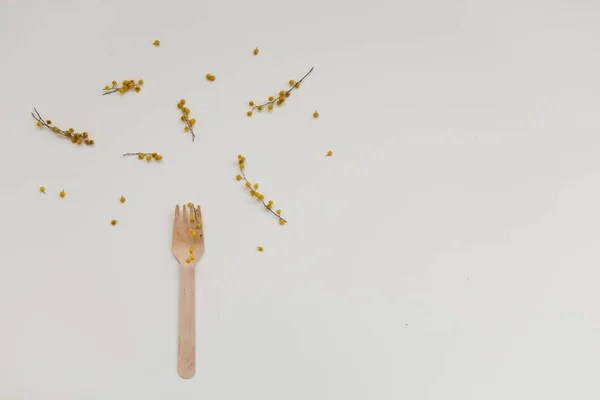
(448, 250)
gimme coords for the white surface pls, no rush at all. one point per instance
(448, 250)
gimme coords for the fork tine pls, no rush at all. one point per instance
(185, 215)
(199, 217)
(176, 217)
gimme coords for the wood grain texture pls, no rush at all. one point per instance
(186, 354)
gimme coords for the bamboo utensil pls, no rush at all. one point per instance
(188, 248)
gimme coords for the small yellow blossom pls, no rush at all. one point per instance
(238, 177)
(249, 113)
(329, 153)
(122, 199)
(316, 114)
(292, 82)
(62, 194)
(255, 51)
(156, 43)
(260, 248)
(113, 222)
(43, 189)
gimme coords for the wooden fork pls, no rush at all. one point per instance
(184, 226)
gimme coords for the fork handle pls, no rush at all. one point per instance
(186, 358)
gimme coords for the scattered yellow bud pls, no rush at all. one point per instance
(270, 107)
(281, 221)
(43, 189)
(39, 123)
(292, 82)
(260, 248)
(278, 211)
(329, 153)
(238, 177)
(113, 222)
(271, 98)
(156, 43)
(141, 82)
(260, 107)
(106, 88)
(141, 156)
(114, 83)
(122, 199)
(159, 157)
(249, 113)
(251, 102)
(148, 157)
(256, 186)
(255, 51)
(316, 114)
(191, 249)
(62, 194)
